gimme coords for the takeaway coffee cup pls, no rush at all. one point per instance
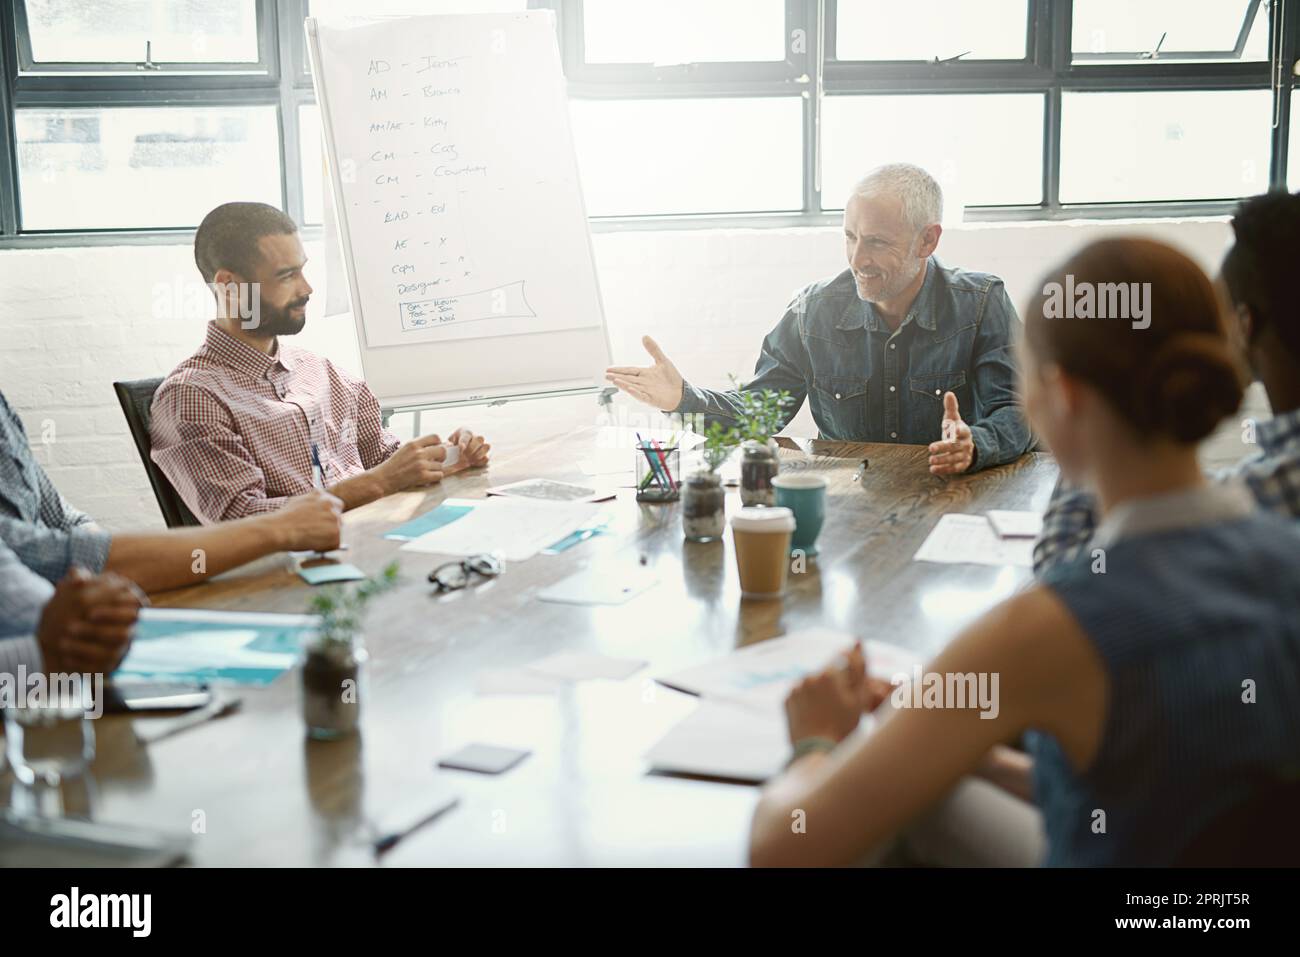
(762, 537)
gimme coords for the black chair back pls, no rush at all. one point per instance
(136, 398)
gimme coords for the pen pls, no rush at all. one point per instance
(218, 708)
(644, 446)
(318, 480)
(857, 476)
(663, 463)
(389, 840)
(317, 473)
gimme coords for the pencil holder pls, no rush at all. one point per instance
(658, 475)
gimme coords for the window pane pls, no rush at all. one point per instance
(334, 9)
(133, 168)
(1293, 149)
(313, 160)
(888, 30)
(181, 31)
(983, 150)
(1135, 147)
(1124, 30)
(644, 157)
(683, 31)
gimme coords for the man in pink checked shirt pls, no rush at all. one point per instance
(234, 426)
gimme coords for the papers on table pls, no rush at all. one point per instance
(722, 740)
(600, 585)
(761, 675)
(546, 490)
(197, 646)
(516, 529)
(444, 514)
(970, 539)
(739, 729)
(1016, 524)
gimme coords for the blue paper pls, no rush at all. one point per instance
(580, 535)
(189, 645)
(438, 517)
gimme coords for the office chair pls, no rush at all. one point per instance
(136, 398)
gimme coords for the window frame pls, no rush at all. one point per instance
(54, 86)
(117, 71)
(281, 79)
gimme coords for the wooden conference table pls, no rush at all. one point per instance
(267, 796)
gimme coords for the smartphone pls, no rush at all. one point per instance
(155, 696)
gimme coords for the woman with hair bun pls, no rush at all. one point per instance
(1153, 679)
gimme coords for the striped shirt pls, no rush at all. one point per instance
(47, 534)
(233, 427)
(1272, 475)
(1196, 621)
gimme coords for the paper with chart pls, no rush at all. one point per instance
(970, 539)
(739, 729)
(761, 675)
(454, 177)
(1008, 524)
(516, 529)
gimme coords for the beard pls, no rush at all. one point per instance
(280, 320)
(892, 286)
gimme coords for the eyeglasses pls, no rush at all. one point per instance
(454, 576)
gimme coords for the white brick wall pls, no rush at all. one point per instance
(74, 320)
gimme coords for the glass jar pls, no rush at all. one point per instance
(332, 673)
(758, 466)
(704, 507)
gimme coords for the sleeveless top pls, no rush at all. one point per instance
(1196, 618)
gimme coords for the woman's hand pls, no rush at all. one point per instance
(831, 703)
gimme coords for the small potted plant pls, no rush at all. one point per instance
(703, 498)
(334, 661)
(761, 416)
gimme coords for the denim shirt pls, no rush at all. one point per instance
(867, 383)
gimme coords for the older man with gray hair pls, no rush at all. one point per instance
(896, 348)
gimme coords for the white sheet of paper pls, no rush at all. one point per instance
(970, 539)
(600, 586)
(1016, 524)
(516, 529)
(585, 666)
(723, 740)
(545, 490)
(759, 676)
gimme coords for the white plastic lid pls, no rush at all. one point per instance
(756, 518)
(793, 480)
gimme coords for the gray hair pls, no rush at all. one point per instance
(920, 194)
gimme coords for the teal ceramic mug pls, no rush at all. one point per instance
(803, 493)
